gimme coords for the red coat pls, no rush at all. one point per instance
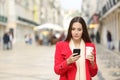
(68, 72)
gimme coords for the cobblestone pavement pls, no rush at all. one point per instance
(32, 62)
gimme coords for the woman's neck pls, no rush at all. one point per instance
(77, 43)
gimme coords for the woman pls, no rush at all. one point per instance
(80, 67)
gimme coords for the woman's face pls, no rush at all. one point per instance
(76, 31)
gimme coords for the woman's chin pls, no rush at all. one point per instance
(76, 39)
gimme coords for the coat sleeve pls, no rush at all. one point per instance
(60, 65)
(93, 68)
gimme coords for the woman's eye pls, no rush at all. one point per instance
(79, 29)
(73, 28)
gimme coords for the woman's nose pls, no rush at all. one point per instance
(76, 31)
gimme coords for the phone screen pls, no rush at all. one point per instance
(76, 51)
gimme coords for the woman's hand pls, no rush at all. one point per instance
(73, 58)
(91, 58)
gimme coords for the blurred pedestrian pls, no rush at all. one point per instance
(92, 36)
(37, 38)
(26, 39)
(98, 37)
(30, 39)
(6, 40)
(62, 37)
(79, 67)
(50, 37)
(11, 40)
(109, 39)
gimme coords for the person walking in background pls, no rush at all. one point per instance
(30, 39)
(37, 38)
(79, 67)
(92, 36)
(62, 37)
(26, 39)
(98, 37)
(11, 40)
(109, 40)
(6, 40)
(50, 37)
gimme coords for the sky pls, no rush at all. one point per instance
(71, 4)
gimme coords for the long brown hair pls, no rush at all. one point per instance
(85, 35)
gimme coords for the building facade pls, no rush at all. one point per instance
(50, 11)
(21, 16)
(88, 9)
(109, 20)
(3, 17)
(108, 12)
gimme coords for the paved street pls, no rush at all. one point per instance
(108, 63)
(31, 62)
(27, 62)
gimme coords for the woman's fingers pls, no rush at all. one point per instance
(91, 57)
(72, 58)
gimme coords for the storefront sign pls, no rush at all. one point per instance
(27, 21)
